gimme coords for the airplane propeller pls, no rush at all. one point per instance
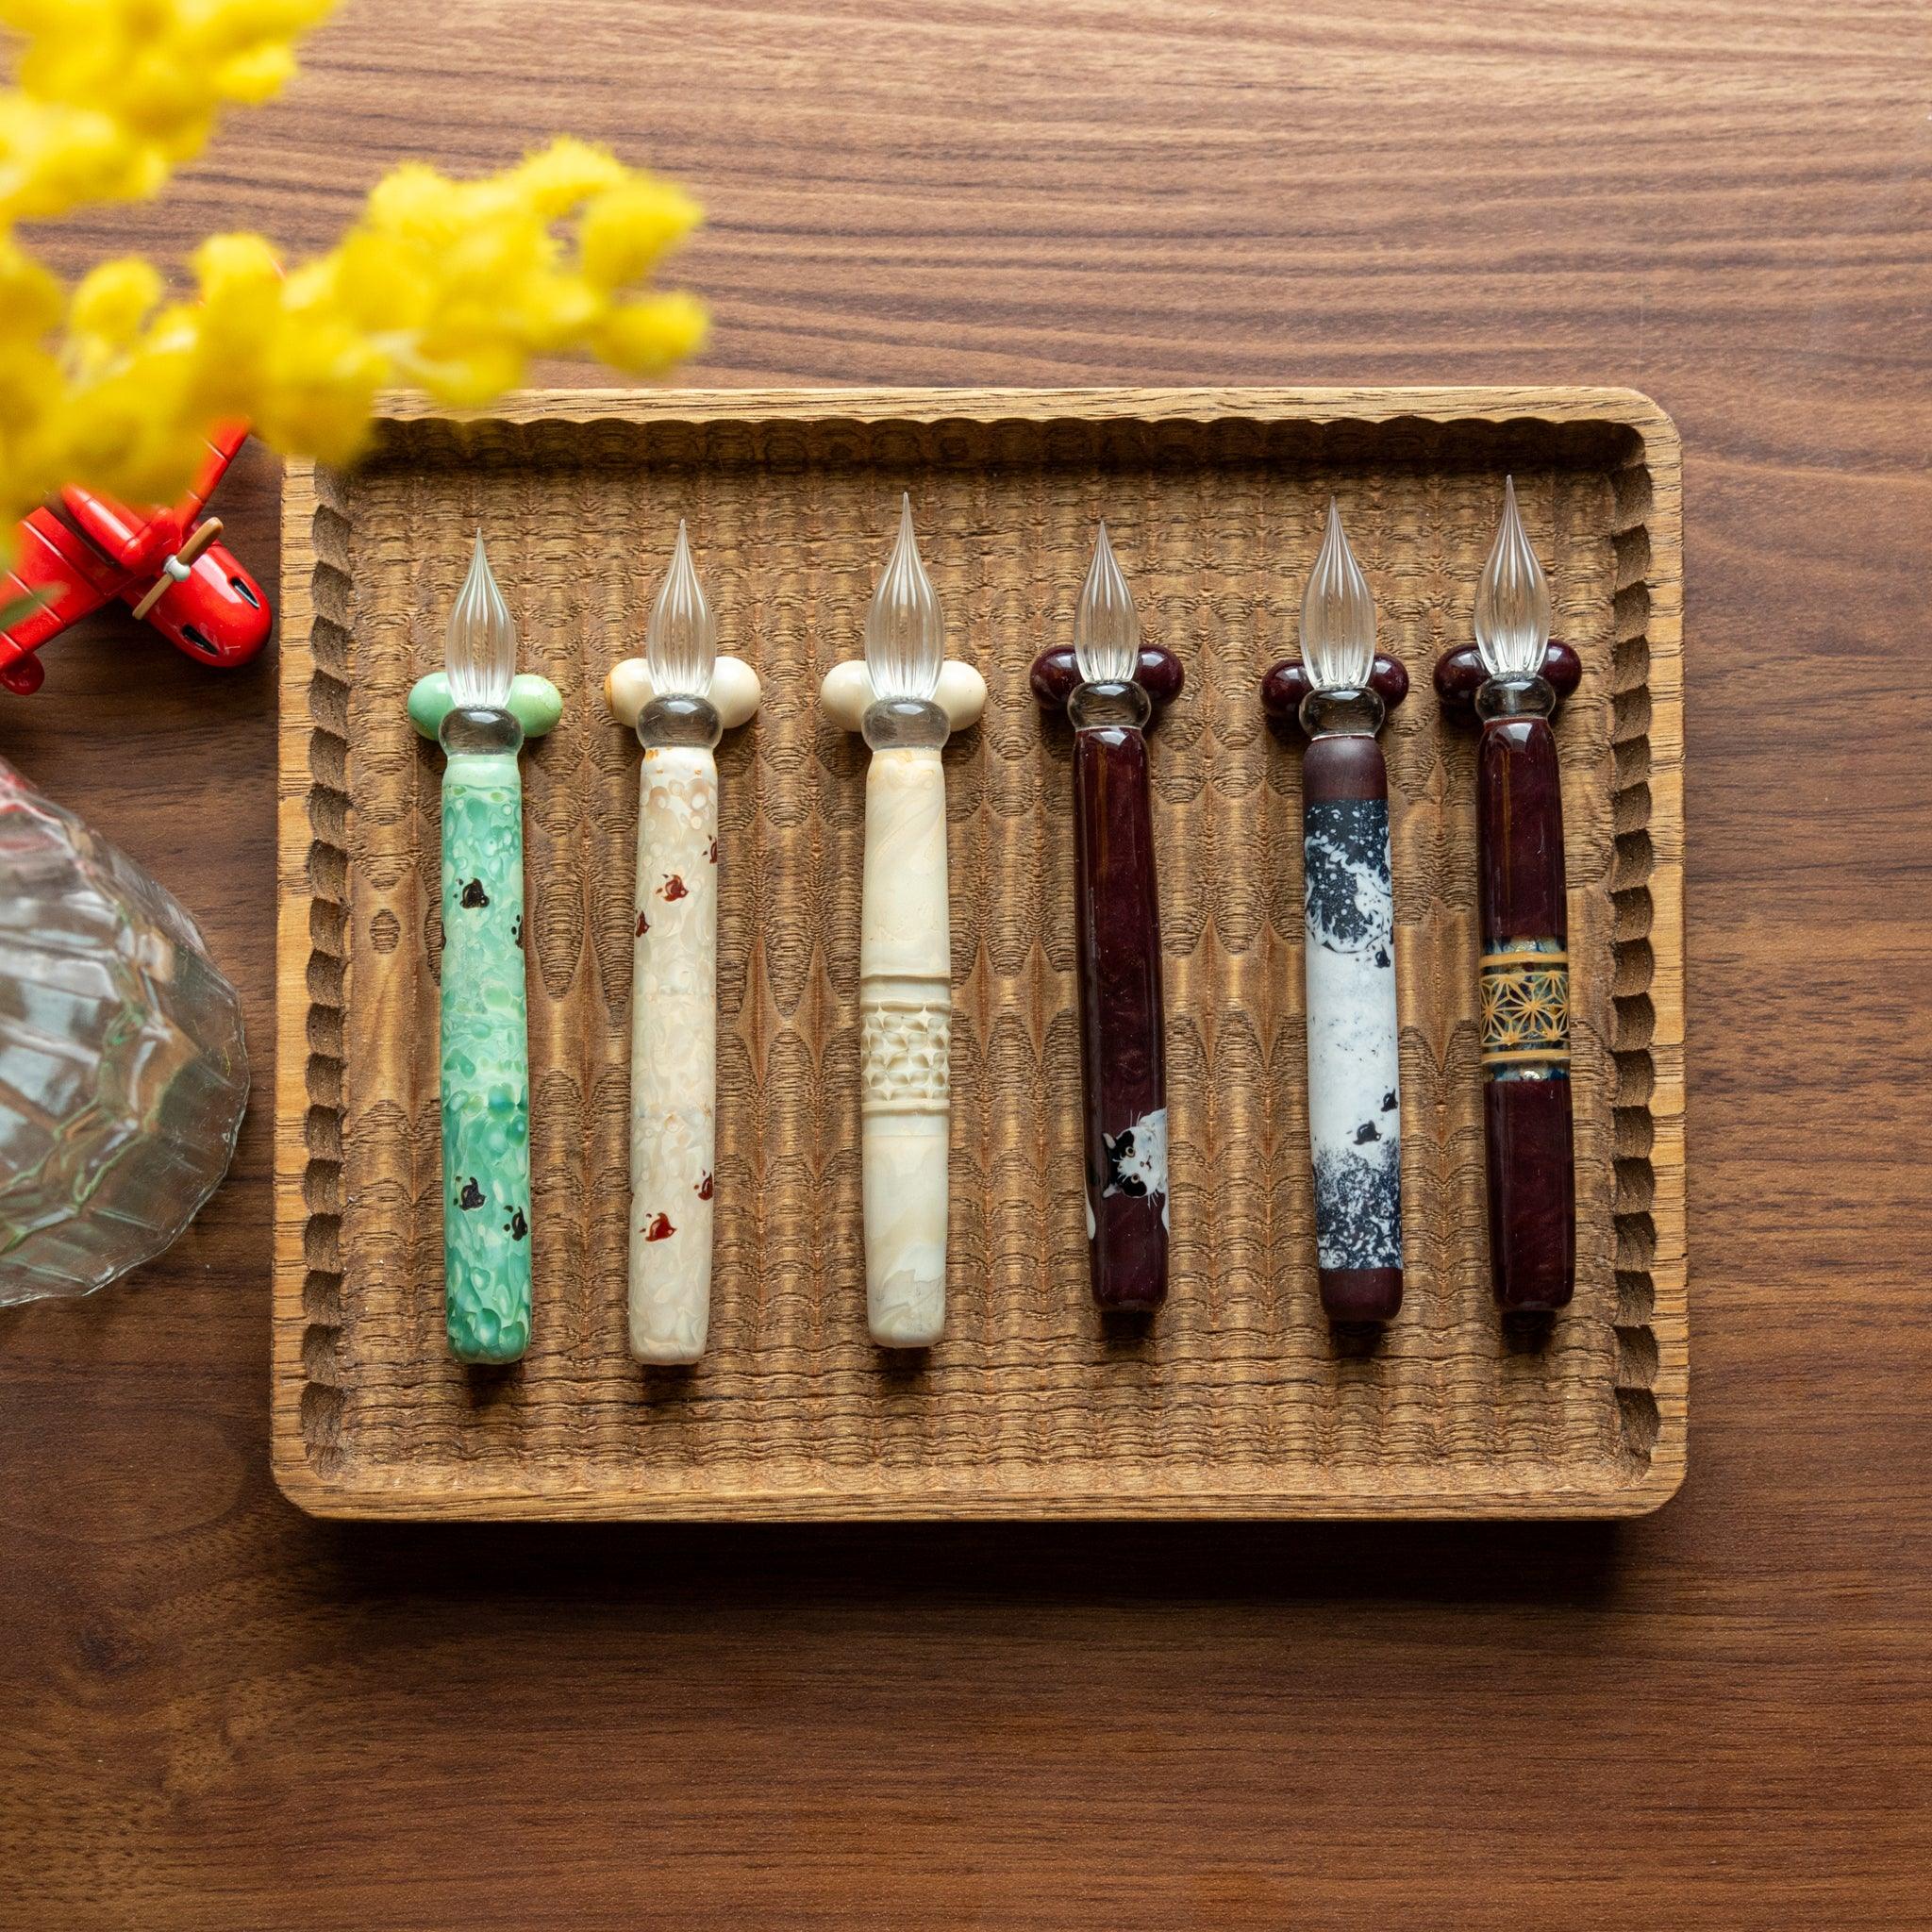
(174, 571)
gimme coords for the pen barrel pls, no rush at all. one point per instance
(673, 1065)
(1355, 1105)
(485, 1061)
(1122, 1050)
(905, 1003)
(1525, 1016)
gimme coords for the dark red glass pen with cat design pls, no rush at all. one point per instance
(1512, 682)
(1111, 688)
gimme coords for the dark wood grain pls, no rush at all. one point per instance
(220, 1714)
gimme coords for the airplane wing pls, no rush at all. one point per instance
(49, 557)
(222, 442)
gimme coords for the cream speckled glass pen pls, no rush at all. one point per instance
(674, 1063)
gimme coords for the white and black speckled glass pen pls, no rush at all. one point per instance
(1339, 693)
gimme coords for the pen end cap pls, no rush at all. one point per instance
(1288, 683)
(1056, 677)
(1460, 673)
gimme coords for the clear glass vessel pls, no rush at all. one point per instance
(122, 1071)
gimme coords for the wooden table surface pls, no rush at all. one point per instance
(216, 1714)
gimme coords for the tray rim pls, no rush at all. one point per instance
(358, 1495)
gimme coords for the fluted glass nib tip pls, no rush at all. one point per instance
(681, 638)
(1513, 600)
(480, 646)
(1337, 615)
(905, 634)
(1107, 628)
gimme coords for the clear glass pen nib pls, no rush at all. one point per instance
(1337, 615)
(1107, 628)
(1513, 600)
(681, 638)
(480, 646)
(905, 634)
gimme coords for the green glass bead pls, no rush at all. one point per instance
(534, 702)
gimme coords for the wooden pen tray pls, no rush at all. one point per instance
(1236, 1400)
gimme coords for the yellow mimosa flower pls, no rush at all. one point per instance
(451, 286)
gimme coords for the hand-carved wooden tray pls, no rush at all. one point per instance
(1236, 1400)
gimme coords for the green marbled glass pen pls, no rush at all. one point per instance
(480, 714)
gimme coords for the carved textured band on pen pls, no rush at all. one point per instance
(904, 1045)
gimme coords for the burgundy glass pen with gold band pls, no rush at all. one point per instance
(1511, 683)
(907, 698)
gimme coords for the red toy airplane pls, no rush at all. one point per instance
(169, 568)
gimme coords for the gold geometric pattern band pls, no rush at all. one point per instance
(1525, 990)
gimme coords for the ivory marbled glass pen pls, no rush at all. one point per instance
(904, 957)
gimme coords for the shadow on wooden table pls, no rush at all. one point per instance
(923, 1565)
